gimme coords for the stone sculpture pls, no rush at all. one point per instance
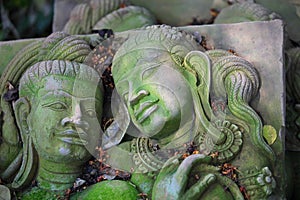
(245, 11)
(173, 98)
(201, 98)
(57, 110)
(263, 10)
(67, 97)
(104, 14)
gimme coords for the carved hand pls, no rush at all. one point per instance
(172, 181)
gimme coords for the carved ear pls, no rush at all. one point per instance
(22, 109)
(200, 63)
(28, 167)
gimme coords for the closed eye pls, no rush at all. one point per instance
(149, 72)
(56, 106)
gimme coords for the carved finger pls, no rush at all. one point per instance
(233, 188)
(200, 187)
(182, 174)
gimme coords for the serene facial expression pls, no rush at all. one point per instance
(158, 98)
(64, 120)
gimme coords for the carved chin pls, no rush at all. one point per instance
(64, 153)
(157, 126)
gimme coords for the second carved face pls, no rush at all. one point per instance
(158, 97)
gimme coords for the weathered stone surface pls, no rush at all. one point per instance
(265, 41)
(193, 11)
(130, 17)
(85, 15)
(245, 12)
(260, 43)
(62, 10)
(9, 49)
(289, 13)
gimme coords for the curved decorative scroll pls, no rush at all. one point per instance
(145, 155)
(238, 81)
(229, 144)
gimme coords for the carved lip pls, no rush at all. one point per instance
(145, 110)
(72, 137)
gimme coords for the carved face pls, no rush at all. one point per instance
(158, 97)
(64, 119)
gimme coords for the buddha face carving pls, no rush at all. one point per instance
(158, 97)
(148, 74)
(71, 120)
(65, 113)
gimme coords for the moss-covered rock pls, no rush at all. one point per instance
(106, 190)
(37, 193)
(143, 182)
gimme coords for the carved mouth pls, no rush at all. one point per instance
(73, 137)
(145, 110)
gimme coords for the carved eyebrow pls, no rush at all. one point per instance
(150, 67)
(62, 93)
(91, 100)
(148, 63)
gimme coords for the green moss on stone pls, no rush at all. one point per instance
(107, 190)
(143, 182)
(37, 193)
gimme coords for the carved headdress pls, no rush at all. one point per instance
(157, 38)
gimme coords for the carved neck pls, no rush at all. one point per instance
(57, 176)
(184, 135)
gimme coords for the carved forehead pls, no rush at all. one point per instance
(32, 79)
(155, 43)
(158, 37)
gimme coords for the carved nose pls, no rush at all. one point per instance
(78, 123)
(77, 114)
(136, 97)
(76, 119)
